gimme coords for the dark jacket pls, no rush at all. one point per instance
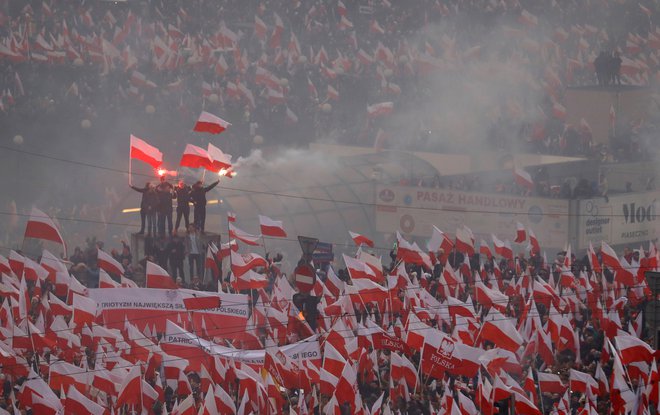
(198, 193)
(182, 195)
(142, 190)
(150, 200)
(165, 196)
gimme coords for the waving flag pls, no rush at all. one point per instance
(243, 236)
(361, 239)
(196, 157)
(40, 226)
(270, 227)
(142, 151)
(109, 264)
(157, 277)
(209, 123)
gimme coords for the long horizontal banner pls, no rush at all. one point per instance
(414, 211)
(153, 307)
(177, 341)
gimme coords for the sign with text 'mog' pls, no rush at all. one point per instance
(624, 219)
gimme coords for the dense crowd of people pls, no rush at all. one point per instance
(271, 66)
(453, 329)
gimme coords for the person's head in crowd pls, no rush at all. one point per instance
(182, 184)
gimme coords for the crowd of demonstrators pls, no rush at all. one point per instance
(278, 70)
(452, 329)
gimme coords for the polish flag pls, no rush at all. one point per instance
(243, 236)
(501, 331)
(225, 248)
(523, 178)
(106, 281)
(359, 270)
(241, 264)
(464, 242)
(632, 349)
(502, 249)
(402, 368)
(439, 240)
(382, 108)
(534, 243)
(593, 259)
(196, 157)
(521, 235)
(219, 160)
(157, 277)
(209, 123)
(40, 226)
(524, 405)
(77, 403)
(130, 391)
(484, 249)
(224, 402)
(361, 239)
(141, 150)
(333, 94)
(84, 310)
(16, 263)
(109, 264)
(610, 258)
(251, 281)
(260, 28)
(44, 405)
(34, 272)
(270, 227)
(549, 382)
(580, 381)
(231, 217)
(63, 375)
(333, 361)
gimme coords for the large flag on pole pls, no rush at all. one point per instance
(196, 157)
(40, 226)
(209, 123)
(141, 150)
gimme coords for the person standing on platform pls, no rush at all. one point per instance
(143, 205)
(198, 196)
(195, 251)
(165, 192)
(177, 253)
(182, 205)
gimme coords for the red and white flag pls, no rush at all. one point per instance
(361, 239)
(84, 310)
(130, 391)
(209, 123)
(633, 349)
(40, 226)
(549, 382)
(270, 227)
(196, 157)
(157, 277)
(219, 160)
(501, 331)
(382, 108)
(523, 178)
(521, 234)
(610, 259)
(109, 264)
(106, 281)
(77, 403)
(358, 270)
(243, 236)
(241, 264)
(141, 150)
(464, 242)
(250, 281)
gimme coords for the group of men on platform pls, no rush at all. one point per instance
(156, 207)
